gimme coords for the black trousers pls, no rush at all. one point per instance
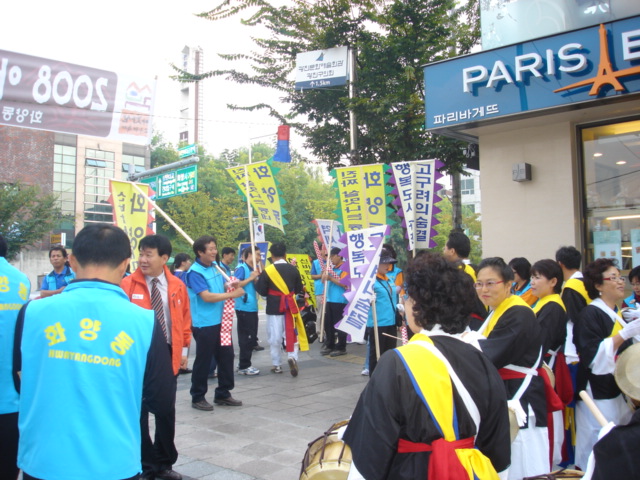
(159, 454)
(26, 476)
(208, 347)
(247, 336)
(9, 446)
(386, 343)
(332, 316)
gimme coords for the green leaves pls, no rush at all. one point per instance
(26, 215)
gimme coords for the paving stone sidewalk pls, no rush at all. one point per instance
(267, 437)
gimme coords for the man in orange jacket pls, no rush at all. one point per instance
(154, 287)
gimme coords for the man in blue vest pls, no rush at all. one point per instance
(86, 360)
(207, 295)
(61, 275)
(14, 292)
(247, 310)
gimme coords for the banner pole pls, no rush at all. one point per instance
(326, 282)
(249, 213)
(173, 224)
(375, 325)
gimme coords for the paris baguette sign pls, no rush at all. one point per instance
(567, 69)
(45, 94)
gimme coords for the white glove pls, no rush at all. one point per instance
(631, 329)
(630, 314)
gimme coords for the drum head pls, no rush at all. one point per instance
(327, 458)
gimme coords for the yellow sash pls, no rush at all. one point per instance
(617, 326)
(433, 385)
(470, 271)
(554, 297)
(280, 284)
(512, 301)
(577, 285)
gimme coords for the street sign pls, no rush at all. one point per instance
(322, 68)
(188, 151)
(177, 182)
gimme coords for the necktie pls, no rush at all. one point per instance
(156, 304)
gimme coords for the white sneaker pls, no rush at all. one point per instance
(249, 371)
(365, 372)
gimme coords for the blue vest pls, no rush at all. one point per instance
(249, 301)
(318, 285)
(14, 292)
(84, 354)
(51, 279)
(385, 292)
(206, 314)
(631, 301)
(335, 293)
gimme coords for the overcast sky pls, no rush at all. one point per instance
(143, 37)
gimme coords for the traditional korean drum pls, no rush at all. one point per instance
(327, 457)
(561, 474)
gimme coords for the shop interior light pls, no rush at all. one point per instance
(623, 217)
(597, 154)
(621, 162)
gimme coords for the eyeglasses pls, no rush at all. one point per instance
(489, 284)
(615, 278)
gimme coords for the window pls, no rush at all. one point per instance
(611, 163)
(467, 186)
(64, 177)
(100, 167)
(136, 161)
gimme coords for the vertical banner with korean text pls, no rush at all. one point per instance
(362, 254)
(131, 212)
(325, 228)
(303, 263)
(263, 192)
(362, 196)
(416, 190)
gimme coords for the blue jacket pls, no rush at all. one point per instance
(14, 292)
(205, 314)
(83, 365)
(249, 301)
(54, 281)
(386, 301)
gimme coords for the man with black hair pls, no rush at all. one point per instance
(457, 250)
(84, 361)
(228, 255)
(15, 288)
(574, 295)
(335, 307)
(152, 286)
(61, 275)
(280, 282)
(207, 294)
(247, 310)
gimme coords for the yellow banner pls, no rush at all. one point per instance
(131, 213)
(263, 192)
(303, 264)
(362, 196)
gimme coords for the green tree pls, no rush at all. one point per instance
(26, 215)
(393, 40)
(162, 152)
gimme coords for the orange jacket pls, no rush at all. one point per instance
(179, 308)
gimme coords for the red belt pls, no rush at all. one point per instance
(288, 306)
(443, 463)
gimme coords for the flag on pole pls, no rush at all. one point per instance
(282, 149)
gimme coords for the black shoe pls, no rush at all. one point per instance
(202, 405)
(182, 371)
(168, 475)
(293, 367)
(229, 401)
(258, 348)
(326, 351)
(337, 353)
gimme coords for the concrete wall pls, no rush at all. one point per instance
(529, 219)
(33, 263)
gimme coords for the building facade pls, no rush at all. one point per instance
(557, 121)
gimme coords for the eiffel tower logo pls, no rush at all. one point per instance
(606, 74)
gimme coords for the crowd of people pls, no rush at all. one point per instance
(483, 389)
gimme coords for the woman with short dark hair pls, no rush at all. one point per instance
(633, 300)
(600, 337)
(403, 425)
(513, 344)
(521, 275)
